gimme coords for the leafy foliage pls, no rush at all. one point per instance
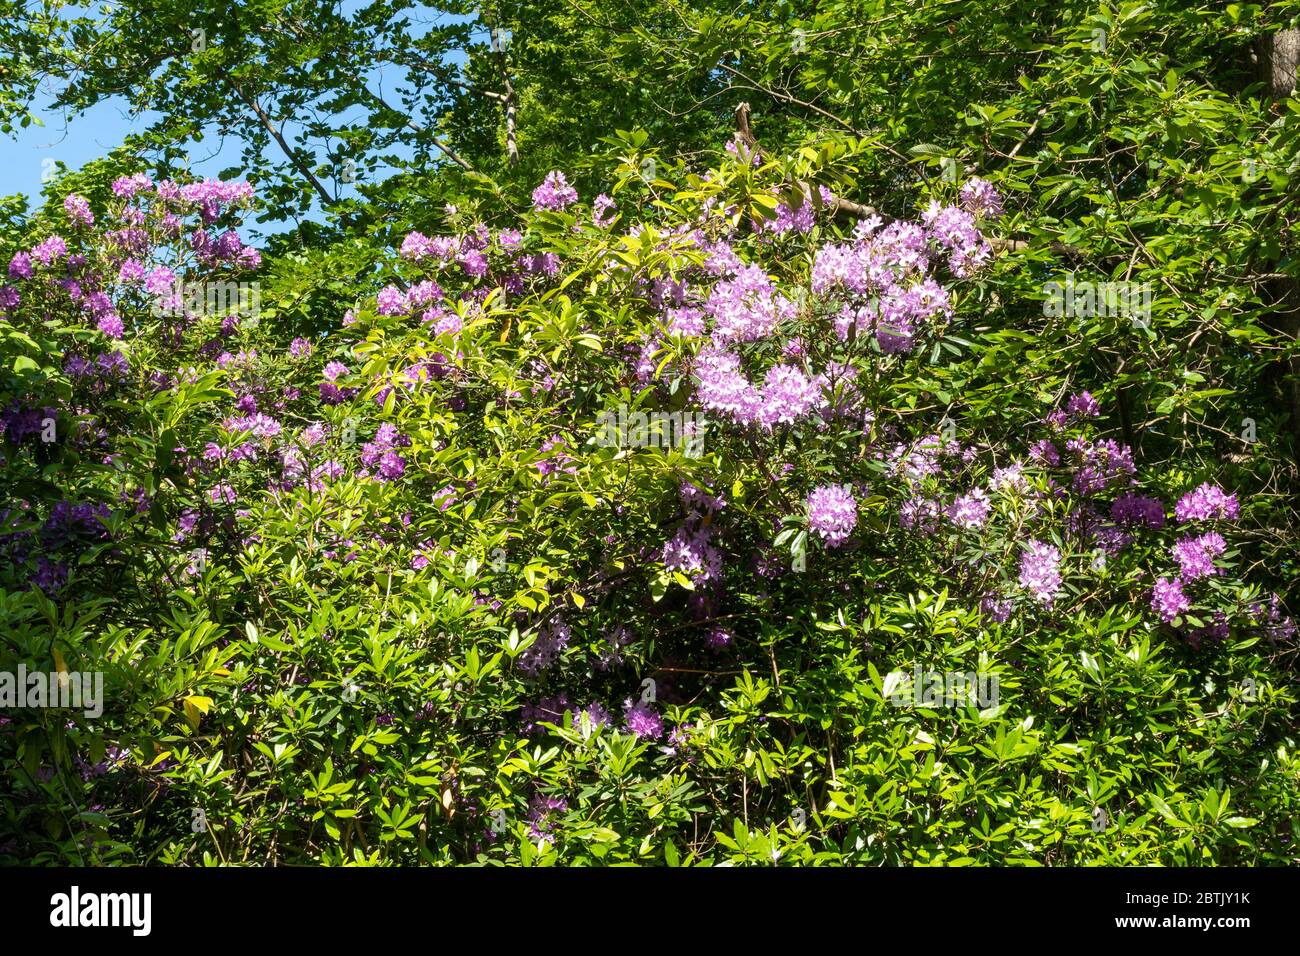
(384, 565)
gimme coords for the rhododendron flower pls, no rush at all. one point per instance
(1008, 479)
(1195, 556)
(392, 466)
(1103, 463)
(550, 710)
(1206, 502)
(546, 647)
(474, 263)
(788, 219)
(1133, 509)
(787, 396)
(160, 281)
(554, 192)
(747, 307)
(980, 199)
(721, 386)
(718, 638)
(832, 513)
(1040, 571)
(78, 210)
(20, 266)
(996, 608)
(1083, 405)
(691, 552)
(642, 720)
(1044, 451)
(49, 250)
(1168, 599)
(222, 492)
(416, 246)
(971, 510)
(602, 205)
(390, 301)
(541, 814)
(127, 186)
(685, 321)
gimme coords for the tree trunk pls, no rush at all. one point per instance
(512, 145)
(1278, 55)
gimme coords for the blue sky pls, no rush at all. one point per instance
(32, 153)
(29, 157)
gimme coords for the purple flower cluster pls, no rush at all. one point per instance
(1168, 599)
(1207, 502)
(545, 650)
(1102, 464)
(1133, 509)
(78, 210)
(954, 229)
(382, 452)
(1195, 556)
(554, 193)
(747, 307)
(1083, 405)
(691, 551)
(980, 199)
(642, 720)
(832, 513)
(970, 511)
(1040, 571)
(541, 815)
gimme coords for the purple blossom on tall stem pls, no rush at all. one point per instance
(20, 266)
(416, 246)
(787, 395)
(691, 552)
(980, 199)
(50, 249)
(998, 609)
(718, 637)
(542, 811)
(602, 210)
(390, 301)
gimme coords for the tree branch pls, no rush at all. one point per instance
(512, 146)
(294, 158)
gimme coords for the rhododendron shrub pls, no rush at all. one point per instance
(392, 594)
